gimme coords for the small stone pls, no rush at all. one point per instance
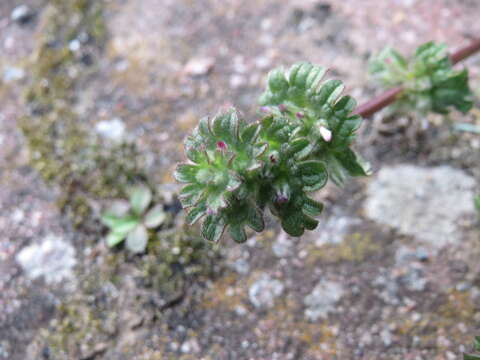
(241, 266)
(11, 74)
(414, 280)
(282, 247)
(386, 337)
(241, 310)
(464, 286)
(74, 45)
(52, 259)
(22, 14)
(199, 66)
(237, 81)
(264, 291)
(322, 300)
(113, 130)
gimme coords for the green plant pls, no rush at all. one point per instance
(132, 220)
(477, 202)
(237, 170)
(476, 348)
(428, 79)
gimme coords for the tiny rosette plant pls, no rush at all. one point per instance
(237, 170)
(430, 82)
(131, 220)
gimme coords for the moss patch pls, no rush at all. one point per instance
(61, 148)
(355, 248)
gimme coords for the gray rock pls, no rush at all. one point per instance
(53, 259)
(426, 203)
(322, 300)
(334, 230)
(113, 130)
(264, 291)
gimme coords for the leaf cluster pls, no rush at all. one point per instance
(476, 347)
(131, 220)
(237, 170)
(429, 80)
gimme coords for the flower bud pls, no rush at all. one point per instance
(326, 134)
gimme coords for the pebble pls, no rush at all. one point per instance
(199, 66)
(53, 259)
(263, 292)
(282, 247)
(22, 14)
(113, 130)
(11, 74)
(322, 300)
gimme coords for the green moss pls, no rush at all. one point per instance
(456, 308)
(177, 256)
(355, 248)
(60, 146)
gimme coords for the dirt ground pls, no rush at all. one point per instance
(361, 286)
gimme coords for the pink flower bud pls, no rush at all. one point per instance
(221, 145)
(300, 115)
(282, 108)
(326, 134)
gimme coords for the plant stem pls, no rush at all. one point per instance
(388, 97)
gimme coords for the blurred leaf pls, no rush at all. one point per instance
(114, 238)
(140, 198)
(155, 217)
(137, 239)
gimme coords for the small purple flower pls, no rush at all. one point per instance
(221, 145)
(282, 199)
(273, 159)
(265, 109)
(300, 115)
(282, 108)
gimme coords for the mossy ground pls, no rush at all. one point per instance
(179, 293)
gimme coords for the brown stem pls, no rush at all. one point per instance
(388, 97)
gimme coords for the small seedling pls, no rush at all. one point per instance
(477, 203)
(131, 221)
(429, 81)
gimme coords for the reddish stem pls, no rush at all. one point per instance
(388, 97)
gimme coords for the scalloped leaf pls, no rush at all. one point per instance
(213, 227)
(313, 175)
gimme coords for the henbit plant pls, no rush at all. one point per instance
(131, 220)
(429, 81)
(476, 348)
(237, 170)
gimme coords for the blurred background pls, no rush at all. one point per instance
(98, 95)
